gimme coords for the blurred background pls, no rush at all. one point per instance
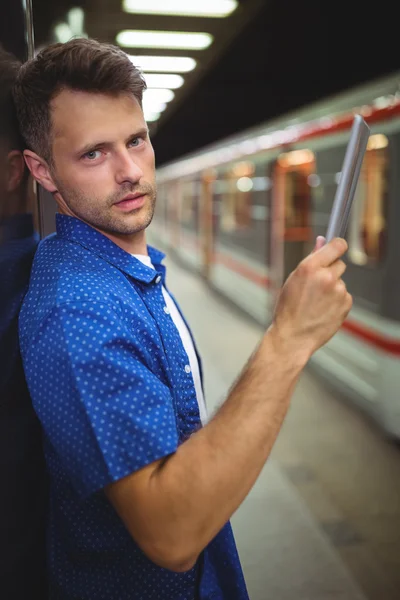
(249, 106)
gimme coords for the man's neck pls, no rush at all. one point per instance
(133, 244)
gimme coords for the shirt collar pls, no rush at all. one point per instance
(77, 231)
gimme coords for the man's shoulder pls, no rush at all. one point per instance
(65, 270)
(60, 255)
(63, 273)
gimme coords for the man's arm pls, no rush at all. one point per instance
(174, 507)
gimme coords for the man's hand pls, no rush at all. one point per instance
(314, 300)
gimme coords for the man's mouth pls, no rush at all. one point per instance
(131, 201)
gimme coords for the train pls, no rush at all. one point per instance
(244, 211)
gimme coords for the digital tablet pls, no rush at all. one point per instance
(348, 179)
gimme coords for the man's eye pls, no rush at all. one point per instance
(92, 155)
(136, 141)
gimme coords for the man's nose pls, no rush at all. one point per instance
(126, 168)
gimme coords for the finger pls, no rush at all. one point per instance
(328, 254)
(349, 303)
(338, 268)
(340, 287)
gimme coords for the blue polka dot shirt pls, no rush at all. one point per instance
(109, 381)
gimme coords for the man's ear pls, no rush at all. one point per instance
(40, 171)
(15, 170)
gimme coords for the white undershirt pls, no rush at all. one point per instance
(186, 341)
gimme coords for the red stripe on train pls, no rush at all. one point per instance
(388, 345)
(248, 272)
(335, 124)
(230, 263)
(369, 336)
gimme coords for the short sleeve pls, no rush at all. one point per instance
(103, 411)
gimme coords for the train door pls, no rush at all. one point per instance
(291, 231)
(174, 209)
(206, 221)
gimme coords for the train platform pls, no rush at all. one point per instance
(323, 520)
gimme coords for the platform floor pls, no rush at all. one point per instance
(323, 520)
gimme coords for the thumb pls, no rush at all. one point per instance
(319, 243)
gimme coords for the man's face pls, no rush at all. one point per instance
(104, 167)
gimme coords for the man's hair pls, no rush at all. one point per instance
(81, 64)
(9, 130)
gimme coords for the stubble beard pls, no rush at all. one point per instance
(101, 214)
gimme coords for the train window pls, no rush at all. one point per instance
(294, 170)
(368, 220)
(190, 204)
(236, 197)
(296, 199)
(242, 209)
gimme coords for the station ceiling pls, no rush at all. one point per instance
(266, 58)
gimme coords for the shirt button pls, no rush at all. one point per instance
(166, 310)
(187, 369)
(158, 279)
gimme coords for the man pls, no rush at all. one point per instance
(141, 492)
(23, 492)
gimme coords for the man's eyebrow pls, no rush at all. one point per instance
(94, 145)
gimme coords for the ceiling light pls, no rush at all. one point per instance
(164, 39)
(63, 33)
(76, 20)
(158, 95)
(153, 105)
(194, 8)
(74, 27)
(151, 116)
(157, 80)
(169, 64)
